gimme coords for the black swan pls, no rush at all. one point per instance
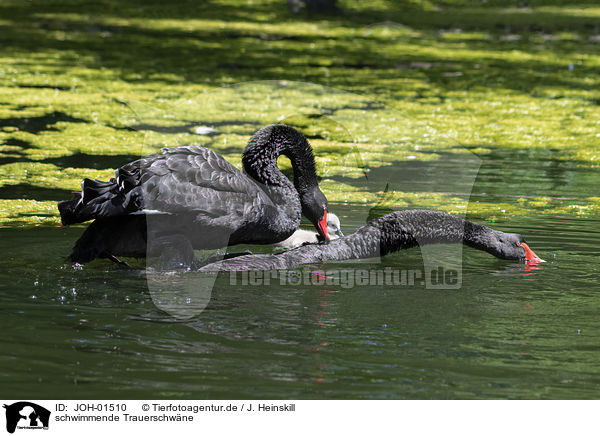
(301, 236)
(192, 198)
(390, 233)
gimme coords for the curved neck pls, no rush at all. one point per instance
(411, 228)
(385, 235)
(398, 231)
(260, 158)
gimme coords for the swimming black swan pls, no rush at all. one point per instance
(191, 197)
(390, 233)
(301, 236)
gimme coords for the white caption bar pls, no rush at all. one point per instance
(24, 417)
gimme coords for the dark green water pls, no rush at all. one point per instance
(510, 331)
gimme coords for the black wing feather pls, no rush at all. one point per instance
(180, 180)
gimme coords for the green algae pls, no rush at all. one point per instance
(420, 80)
(28, 213)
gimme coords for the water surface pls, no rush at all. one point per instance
(510, 331)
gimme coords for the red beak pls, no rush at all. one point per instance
(530, 256)
(322, 227)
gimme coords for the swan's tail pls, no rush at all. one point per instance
(94, 200)
(67, 210)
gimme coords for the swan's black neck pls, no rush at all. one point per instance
(406, 229)
(385, 235)
(260, 158)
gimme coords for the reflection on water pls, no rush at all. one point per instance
(511, 330)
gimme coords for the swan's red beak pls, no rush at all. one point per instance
(322, 227)
(530, 256)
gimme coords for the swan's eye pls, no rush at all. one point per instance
(518, 244)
